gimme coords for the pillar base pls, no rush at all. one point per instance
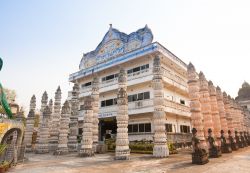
(86, 152)
(72, 147)
(122, 154)
(53, 146)
(160, 151)
(214, 152)
(226, 148)
(42, 151)
(200, 157)
(28, 149)
(61, 152)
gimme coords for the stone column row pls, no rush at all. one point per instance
(55, 121)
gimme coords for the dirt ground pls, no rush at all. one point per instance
(238, 161)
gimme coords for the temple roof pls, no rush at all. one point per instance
(244, 92)
(115, 43)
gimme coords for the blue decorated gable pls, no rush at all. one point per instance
(116, 43)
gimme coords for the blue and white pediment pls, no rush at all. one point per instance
(116, 43)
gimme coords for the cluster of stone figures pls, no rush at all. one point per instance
(219, 123)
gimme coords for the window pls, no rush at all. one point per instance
(103, 103)
(81, 107)
(139, 68)
(169, 128)
(146, 95)
(108, 102)
(135, 128)
(185, 129)
(136, 69)
(109, 77)
(139, 128)
(130, 71)
(182, 102)
(139, 96)
(86, 84)
(134, 97)
(147, 127)
(130, 129)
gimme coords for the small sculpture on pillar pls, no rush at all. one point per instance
(225, 147)
(234, 146)
(199, 155)
(214, 150)
(237, 139)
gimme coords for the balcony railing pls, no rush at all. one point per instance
(140, 104)
(179, 81)
(139, 74)
(176, 106)
(108, 83)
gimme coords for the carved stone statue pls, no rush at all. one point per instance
(248, 137)
(199, 155)
(225, 147)
(237, 139)
(234, 146)
(242, 140)
(214, 150)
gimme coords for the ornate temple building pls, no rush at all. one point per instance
(160, 93)
(243, 97)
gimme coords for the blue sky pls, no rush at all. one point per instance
(42, 41)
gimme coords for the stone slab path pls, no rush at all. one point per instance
(239, 162)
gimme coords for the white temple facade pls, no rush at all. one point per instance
(135, 53)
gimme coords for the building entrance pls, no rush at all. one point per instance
(107, 128)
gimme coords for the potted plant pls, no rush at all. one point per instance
(4, 165)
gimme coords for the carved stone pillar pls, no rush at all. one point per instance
(159, 117)
(44, 102)
(64, 129)
(195, 106)
(43, 142)
(29, 130)
(95, 96)
(122, 151)
(222, 111)
(33, 103)
(72, 143)
(87, 131)
(205, 104)
(228, 113)
(51, 105)
(234, 114)
(55, 120)
(215, 112)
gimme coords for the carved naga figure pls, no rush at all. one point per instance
(214, 150)
(3, 101)
(199, 155)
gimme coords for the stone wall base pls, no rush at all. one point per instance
(61, 151)
(86, 152)
(53, 147)
(72, 147)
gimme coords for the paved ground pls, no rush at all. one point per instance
(238, 161)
